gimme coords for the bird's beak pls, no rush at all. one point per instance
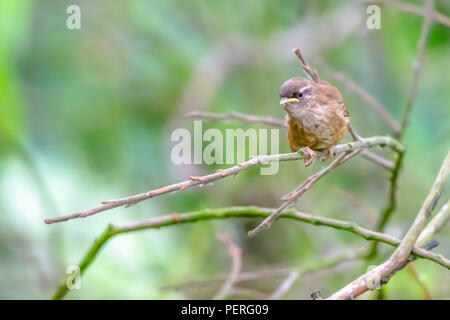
(286, 100)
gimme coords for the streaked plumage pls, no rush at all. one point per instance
(319, 119)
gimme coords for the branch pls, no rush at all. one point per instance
(408, 242)
(238, 212)
(285, 286)
(236, 258)
(377, 159)
(223, 173)
(367, 97)
(246, 292)
(368, 143)
(248, 118)
(308, 183)
(400, 258)
(412, 271)
(243, 276)
(299, 272)
(428, 19)
(308, 69)
(392, 202)
(435, 225)
(412, 8)
(297, 193)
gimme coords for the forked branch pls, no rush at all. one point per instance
(237, 212)
(195, 181)
(400, 258)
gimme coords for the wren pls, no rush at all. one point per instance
(317, 117)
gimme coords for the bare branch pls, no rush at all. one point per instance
(276, 272)
(435, 225)
(223, 173)
(367, 97)
(302, 271)
(297, 193)
(248, 118)
(400, 258)
(392, 201)
(237, 212)
(308, 183)
(308, 69)
(377, 159)
(285, 286)
(408, 242)
(412, 270)
(236, 258)
(412, 8)
(254, 294)
(417, 69)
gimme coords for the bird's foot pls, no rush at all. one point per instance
(308, 156)
(326, 156)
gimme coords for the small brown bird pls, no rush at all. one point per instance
(317, 117)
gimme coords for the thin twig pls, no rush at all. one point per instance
(238, 212)
(412, 8)
(285, 286)
(236, 259)
(246, 292)
(369, 213)
(223, 173)
(391, 205)
(275, 272)
(408, 242)
(302, 271)
(400, 258)
(367, 97)
(308, 69)
(244, 276)
(377, 159)
(413, 272)
(310, 181)
(435, 225)
(248, 118)
(417, 69)
(296, 194)
(392, 200)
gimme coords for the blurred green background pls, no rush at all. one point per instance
(86, 115)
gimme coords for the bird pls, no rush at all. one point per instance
(317, 117)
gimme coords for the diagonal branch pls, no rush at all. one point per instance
(250, 118)
(237, 212)
(299, 272)
(435, 225)
(412, 8)
(299, 191)
(223, 173)
(236, 263)
(428, 19)
(305, 65)
(392, 201)
(367, 97)
(400, 258)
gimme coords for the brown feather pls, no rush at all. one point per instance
(320, 120)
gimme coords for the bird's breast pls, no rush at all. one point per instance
(317, 128)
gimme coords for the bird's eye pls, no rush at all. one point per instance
(300, 94)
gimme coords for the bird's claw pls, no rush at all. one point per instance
(326, 156)
(308, 156)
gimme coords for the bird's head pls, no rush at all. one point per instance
(296, 93)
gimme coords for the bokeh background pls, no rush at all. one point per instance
(86, 115)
